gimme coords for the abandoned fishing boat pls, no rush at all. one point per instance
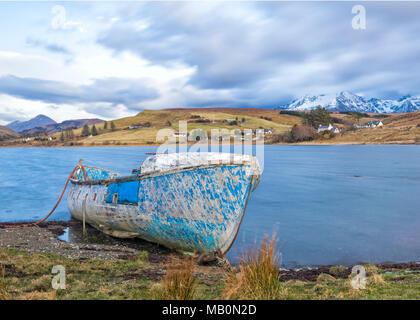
(192, 202)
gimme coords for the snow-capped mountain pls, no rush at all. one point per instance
(347, 101)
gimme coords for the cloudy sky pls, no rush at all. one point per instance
(74, 60)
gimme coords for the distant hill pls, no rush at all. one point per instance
(398, 128)
(59, 127)
(6, 133)
(144, 127)
(38, 121)
(347, 101)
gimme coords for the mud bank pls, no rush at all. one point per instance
(67, 239)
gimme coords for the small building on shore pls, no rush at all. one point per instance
(375, 124)
(179, 135)
(330, 128)
(371, 124)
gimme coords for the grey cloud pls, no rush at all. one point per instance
(9, 116)
(228, 50)
(52, 47)
(246, 47)
(129, 92)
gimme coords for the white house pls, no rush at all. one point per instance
(330, 127)
(179, 135)
(374, 124)
(371, 124)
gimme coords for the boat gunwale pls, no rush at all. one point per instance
(157, 173)
(106, 170)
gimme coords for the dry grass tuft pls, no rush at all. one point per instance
(3, 255)
(376, 279)
(371, 269)
(338, 271)
(374, 276)
(179, 282)
(142, 257)
(36, 295)
(325, 278)
(4, 295)
(258, 276)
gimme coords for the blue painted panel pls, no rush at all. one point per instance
(95, 174)
(128, 192)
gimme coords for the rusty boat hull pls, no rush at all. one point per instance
(194, 209)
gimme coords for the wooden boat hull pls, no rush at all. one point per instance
(192, 209)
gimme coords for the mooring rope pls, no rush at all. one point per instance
(19, 226)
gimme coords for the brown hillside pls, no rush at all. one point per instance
(403, 120)
(6, 133)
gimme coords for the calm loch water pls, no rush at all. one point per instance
(326, 204)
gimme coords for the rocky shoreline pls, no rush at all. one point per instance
(49, 238)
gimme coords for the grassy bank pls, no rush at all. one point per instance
(28, 276)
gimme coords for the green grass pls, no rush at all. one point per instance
(390, 289)
(28, 276)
